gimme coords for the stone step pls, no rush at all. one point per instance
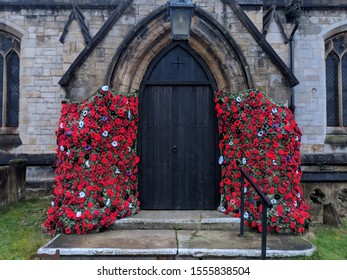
(173, 235)
(188, 220)
(172, 244)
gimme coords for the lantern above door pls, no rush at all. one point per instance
(181, 13)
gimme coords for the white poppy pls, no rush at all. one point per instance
(114, 143)
(85, 112)
(62, 148)
(296, 204)
(238, 99)
(108, 201)
(274, 110)
(273, 201)
(129, 115)
(244, 160)
(231, 142)
(222, 209)
(105, 88)
(52, 203)
(78, 214)
(61, 125)
(298, 195)
(117, 171)
(246, 215)
(296, 138)
(87, 164)
(82, 194)
(221, 160)
(81, 124)
(68, 152)
(244, 189)
(105, 133)
(274, 162)
(260, 133)
(130, 205)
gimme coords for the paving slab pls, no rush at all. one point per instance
(111, 243)
(225, 244)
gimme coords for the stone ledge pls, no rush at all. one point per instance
(321, 159)
(31, 159)
(8, 141)
(324, 177)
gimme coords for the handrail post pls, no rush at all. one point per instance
(264, 230)
(242, 206)
(265, 202)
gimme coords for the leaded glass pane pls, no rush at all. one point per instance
(1, 86)
(340, 43)
(5, 42)
(332, 89)
(344, 89)
(12, 109)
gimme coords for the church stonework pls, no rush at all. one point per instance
(72, 48)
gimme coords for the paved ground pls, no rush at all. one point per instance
(175, 235)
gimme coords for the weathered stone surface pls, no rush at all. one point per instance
(320, 194)
(181, 219)
(12, 182)
(120, 243)
(180, 244)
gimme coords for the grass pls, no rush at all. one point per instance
(331, 242)
(22, 234)
(21, 228)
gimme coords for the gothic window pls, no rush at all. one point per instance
(9, 80)
(336, 80)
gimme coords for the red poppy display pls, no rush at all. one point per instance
(264, 138)
(96, 168)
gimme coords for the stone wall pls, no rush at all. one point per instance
(12, 182)
(320, 194)
(44, 59)
(309, 67)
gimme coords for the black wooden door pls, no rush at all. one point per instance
(178, 135)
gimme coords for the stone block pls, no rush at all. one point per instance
(28, 52)
(330, 215)
(12, 182)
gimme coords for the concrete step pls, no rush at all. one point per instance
(188, 220)
(172, 244)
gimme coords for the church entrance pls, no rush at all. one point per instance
(178, 136)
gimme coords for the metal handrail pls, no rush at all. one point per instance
(265, 202)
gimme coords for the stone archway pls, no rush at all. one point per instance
(208, 38)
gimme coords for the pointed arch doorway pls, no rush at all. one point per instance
(178, 136)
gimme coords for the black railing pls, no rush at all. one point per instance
(265, 202)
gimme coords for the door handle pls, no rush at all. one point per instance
(174, 149)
